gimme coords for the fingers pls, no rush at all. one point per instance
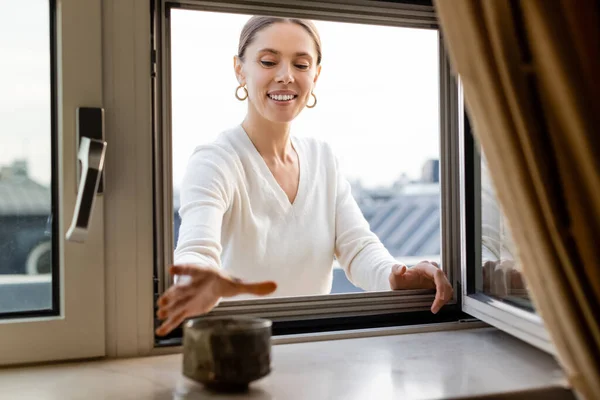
(438, 302)
(398, 270)
(397, 277)
(501, 277)
(171, 323)
(499, 285)
(175, 292)
(200, 294)
(517, 280)
(170, 307)
(443, 292)
(487, 272)
(183, 302)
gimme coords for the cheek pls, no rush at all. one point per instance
(308, 83)
(259, 82)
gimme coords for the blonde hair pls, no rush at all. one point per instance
(257, 23)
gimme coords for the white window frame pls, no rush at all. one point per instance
(135, 203)
(523, 324)
(327, 306)
(129, 202)
(78, 330)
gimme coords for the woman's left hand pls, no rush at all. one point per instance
(424, 275)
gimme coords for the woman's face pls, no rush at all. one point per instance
(279, 71)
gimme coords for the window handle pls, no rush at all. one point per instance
(91, 158)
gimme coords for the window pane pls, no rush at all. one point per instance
(26, 242)
(500, 269)
(378, 107)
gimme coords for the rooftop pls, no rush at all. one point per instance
(20, 195)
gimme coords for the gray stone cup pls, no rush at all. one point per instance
(226, 353)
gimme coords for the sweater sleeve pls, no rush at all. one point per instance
(205, 195)
(361, 254)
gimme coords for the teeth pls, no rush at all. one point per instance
(281, 97)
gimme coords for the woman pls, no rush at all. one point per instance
(259, 205)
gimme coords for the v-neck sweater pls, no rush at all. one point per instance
(235, 216)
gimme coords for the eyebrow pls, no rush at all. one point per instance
(273, 51)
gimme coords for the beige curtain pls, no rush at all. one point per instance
(531, 76)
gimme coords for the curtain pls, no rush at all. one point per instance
(530, 71)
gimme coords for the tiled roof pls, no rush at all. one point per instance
(407, 225)
(23, 196)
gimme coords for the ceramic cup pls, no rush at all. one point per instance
(226, 353)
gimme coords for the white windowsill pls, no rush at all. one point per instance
(432, 365)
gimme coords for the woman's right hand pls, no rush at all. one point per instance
(199, 293)
(502, 278)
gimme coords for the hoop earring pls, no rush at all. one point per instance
(313, 104)
(238, 96)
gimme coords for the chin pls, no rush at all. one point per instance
(280, 118)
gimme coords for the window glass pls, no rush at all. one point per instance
(26, 242)
(499, 268)
(378, 108)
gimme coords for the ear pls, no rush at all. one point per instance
(238, 69)
(317, 75)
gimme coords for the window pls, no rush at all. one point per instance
(499, 268)
(97, 298)
(407, 195)
(51, 290)
(378, 108)
(472, 231)
(494, 289)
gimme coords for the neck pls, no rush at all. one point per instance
(271, 139)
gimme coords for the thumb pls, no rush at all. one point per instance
(398, 270)
(258, 288)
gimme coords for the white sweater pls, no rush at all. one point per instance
(235, 216)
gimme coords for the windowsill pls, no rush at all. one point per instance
(447, 364)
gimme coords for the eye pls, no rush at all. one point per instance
(267, 63)
(302, 66)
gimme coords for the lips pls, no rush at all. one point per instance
(282, 97)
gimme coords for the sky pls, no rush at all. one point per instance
(378, 93)
(25, 85)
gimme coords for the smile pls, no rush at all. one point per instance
(282, 97)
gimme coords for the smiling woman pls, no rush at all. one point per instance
(278, 48)
(250, 199)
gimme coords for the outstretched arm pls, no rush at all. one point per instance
(199, 281)
(363, 257)
(367, 262)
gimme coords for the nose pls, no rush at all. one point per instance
(285, 74)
